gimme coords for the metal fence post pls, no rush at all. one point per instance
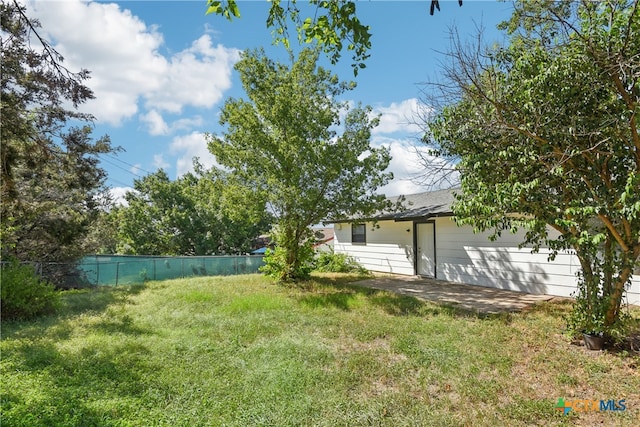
(117, 272)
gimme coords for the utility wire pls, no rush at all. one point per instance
(119, 182)
(121, 168)
(128, 164)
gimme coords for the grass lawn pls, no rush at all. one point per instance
(239, 351)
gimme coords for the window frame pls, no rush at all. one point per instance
(361, 237)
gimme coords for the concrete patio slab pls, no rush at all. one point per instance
(469, 297)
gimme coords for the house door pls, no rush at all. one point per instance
(426, 253)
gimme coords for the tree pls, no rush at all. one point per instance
(334, 24)
(284, 143)
(58, 199)
(36, 90)
(52, 186)
(545, 133)
(192, 215)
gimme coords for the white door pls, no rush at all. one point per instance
(426, 253)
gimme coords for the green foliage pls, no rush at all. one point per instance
(545, 136)
(199, 213)
(280, 266)
(57, 201)
(334, 26)
(305, 153)
(589, 312)
(102, 236)
(52, 187)
(331, 262)
(24, 295)
(36, 92)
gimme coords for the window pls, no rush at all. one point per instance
(358, 233)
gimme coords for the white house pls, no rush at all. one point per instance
(424, 240)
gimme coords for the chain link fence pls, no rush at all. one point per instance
(113, 270)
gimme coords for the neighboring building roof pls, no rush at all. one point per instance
(420, 206)
(323, 235)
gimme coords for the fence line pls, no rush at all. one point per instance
(122, 269)
(114, 270)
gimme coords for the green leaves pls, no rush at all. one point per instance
(334, 23)
(544, 133)
(288, 142)
(228, 9)
(52, 184)
(197, 214)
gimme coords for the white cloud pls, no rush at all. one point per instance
(117, 194)
(402, 187)
(155, 123)
(197, 76)
(159, 162)
(127, 68)
(187, 123)
(411, 175)
(398, 117)
(189, 146)
(136, 169)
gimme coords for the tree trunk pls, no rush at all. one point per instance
(615, 298)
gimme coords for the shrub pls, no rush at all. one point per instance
(331, 262)
(24, 294)
(279, 267)
(589, 313)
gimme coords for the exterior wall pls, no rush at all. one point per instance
(633, 294)
(465, 257)
(389, 246)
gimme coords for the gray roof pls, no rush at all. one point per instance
(422, 205)
(414, 207)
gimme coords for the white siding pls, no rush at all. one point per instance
(389, 246)
(633, 294)
(465, 257)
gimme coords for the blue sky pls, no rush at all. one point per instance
(161, 71)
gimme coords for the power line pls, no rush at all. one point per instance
(121, 168)
(119, 182)
(128, 164)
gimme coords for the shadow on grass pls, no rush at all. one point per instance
(339, 292)
(64, 380)
(120, 325)
(65, 370)
(94, 300)
(556, 307)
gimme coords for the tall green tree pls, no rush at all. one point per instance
(334, 25)
(192, 215)
(37, 90)
(547, 128)
(52, 187)
(58, 198)
(308, 154)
